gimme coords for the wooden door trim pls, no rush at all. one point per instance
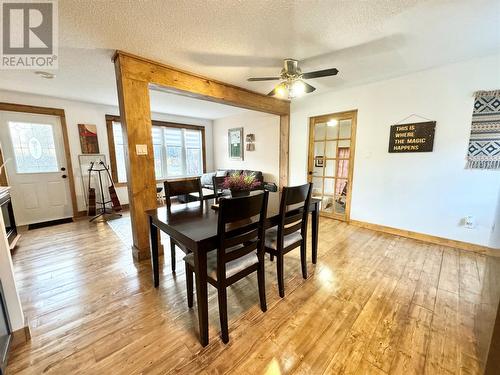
(339, 116)
(13, 107)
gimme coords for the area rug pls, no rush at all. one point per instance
(484, 144)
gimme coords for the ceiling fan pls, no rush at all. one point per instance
(292, 80)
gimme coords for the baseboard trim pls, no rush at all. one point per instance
(21, 336)
(429, 238)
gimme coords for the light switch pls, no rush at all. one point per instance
(141, 149)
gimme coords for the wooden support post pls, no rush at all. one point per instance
(284, 149)
(135, 117)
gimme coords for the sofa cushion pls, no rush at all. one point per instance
(258, 174)
(206, 178)
(220, 173)
(230, 172)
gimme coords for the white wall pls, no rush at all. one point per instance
(495, 236)
(265, 158)
(88, 113)
(12, 300)
(422, 192)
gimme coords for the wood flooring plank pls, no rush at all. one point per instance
(410, 355)
(373, 304)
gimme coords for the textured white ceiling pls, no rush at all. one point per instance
(173, 104)
(231, 40)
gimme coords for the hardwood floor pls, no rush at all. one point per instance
(374, 304)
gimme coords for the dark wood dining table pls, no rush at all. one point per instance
(194, 225)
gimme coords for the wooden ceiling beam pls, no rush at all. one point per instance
(166, 78)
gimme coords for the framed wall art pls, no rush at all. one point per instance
(235, 143)
(88, 138)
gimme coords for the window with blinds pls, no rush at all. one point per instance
(119, 152)
(178, 152)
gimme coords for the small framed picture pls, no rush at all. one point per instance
(235, 143)
(88, 138)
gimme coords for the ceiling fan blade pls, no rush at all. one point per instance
(308, 87)
(263, 79)
(320, 73)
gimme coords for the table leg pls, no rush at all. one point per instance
(200, 266)
(153, 233)
(315, 227)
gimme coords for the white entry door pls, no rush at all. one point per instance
(33, 149)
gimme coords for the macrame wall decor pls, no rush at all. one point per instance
(484, 143)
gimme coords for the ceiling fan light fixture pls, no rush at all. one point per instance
(293, 82)
(282, 91)
(298, 88)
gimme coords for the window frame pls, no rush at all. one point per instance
(112, 152)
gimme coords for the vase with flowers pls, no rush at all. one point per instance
(240, 184)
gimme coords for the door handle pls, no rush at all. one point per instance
(310, 173)
(64, 176)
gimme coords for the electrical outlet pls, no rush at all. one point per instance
(469, 222)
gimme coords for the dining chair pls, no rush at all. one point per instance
(240, 251)
(291, 231)
(217, 185)
(175, 189)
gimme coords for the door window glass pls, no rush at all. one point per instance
(34, 147)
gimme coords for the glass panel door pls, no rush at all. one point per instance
(330, 161)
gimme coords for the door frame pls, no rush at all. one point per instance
(12, 107)
(345, 115)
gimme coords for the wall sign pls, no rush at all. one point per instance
(416, 137)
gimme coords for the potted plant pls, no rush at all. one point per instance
(240, 184)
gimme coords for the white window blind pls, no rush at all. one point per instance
(193, 152)
(177, 152)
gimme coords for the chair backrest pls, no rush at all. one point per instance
(294, 206)
(241, 222)
(182, 187)
(217, 184)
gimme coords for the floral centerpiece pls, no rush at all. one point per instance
(240, 184)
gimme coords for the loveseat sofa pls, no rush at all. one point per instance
(206, 178)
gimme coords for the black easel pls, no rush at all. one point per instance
(103, 210)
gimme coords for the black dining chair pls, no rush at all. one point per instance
(240, 251)
(291, 232)
(217, 185)
(179, 188)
